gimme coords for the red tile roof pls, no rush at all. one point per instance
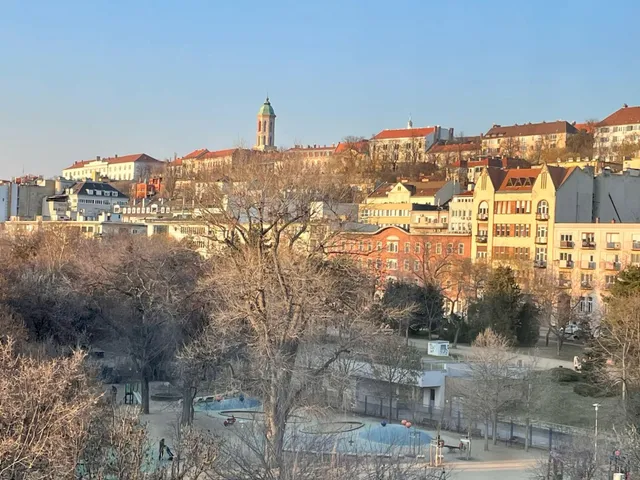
(405, 133)
(624, 116)
(359, 146)
(544, 128)
(455, 147)
(218, 153)
(417, 189)
(195, 154)
(519, 179)
(137, 157)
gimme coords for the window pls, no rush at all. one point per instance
(566, 237)
(461, 249)
(378, 264)
(416, 265)
(609, 280)
(360, 246)
(438, 248)
(483, 211)
(565, 256)
(406, 265)
(586, 304)
(449, 248)
(481, 254)
(541, 231)
(407, 247)
(392, 264)
(586, 279)
(543, 207)
(379, 246)
(392, 247)
(417, 248)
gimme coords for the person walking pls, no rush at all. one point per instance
(161, 452)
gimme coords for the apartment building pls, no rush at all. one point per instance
(86, 199)
(392, 253)
(447, 153)
(392, 204)
(467, 171)
(461, 213)
(616, 197)
(526, 140)
(515, 212)
(406, 145)
(127, 167)
(588, 256)
(622, 126)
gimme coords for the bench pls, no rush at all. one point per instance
(517, 441)
(453, 448)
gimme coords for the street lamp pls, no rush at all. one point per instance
(595, 443)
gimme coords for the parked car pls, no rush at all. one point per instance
(571, 330)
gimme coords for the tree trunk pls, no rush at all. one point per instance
(486, 434)
(546, 337)
(144, 392)
(188, 394)
(495, 429)
(559, 344)
(455, 337)
(526, 434)
(274, 445)
(407, 334)
(390, 401)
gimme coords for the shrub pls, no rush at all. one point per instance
(565, 375)
(586, 390)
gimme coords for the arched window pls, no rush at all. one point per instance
(543, 207)
(264, 126)
(263, 140)
(259, 125)
(483, 211)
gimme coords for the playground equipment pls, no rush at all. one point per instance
(436, 458)
(132, 393)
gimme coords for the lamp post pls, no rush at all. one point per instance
(595, 442)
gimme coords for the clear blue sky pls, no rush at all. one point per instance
(86, 78)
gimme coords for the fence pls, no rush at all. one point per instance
(509, 430)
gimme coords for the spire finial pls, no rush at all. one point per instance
(409, 123)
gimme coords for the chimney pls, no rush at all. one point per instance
(624, 105)
(116, 155)
(613, 220)
(98, 158)
(597, 219)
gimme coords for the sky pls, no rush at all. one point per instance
(85, 78)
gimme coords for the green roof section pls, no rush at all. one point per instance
(266, 108)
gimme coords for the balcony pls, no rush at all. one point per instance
(566, 244)
(542, 216)
(586, 284)
(483, 217)
(588, 265)
(613, 245)
(613, 266)
(481, 239)
(438, 225)
(566, 263)
(541, 240)
(607, 286)
(539, 263)
(635, 245)
(588, 244)
(564, 283)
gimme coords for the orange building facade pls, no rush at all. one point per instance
(392, 253)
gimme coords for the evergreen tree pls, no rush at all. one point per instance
(627, 283)
(505, 310)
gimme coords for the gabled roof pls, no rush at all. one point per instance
(544, 128)
(195, 154)
(416, 189)
(136, 157)
(360, 146)
(519, 179)
(559, 174)
(217, 153)
(80, 188)
(496, 176)
(624, 116)
(404, 133)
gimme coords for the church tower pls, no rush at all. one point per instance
(266, 131)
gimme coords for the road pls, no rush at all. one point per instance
(512, 469)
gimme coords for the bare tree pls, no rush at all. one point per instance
(493, 384)
(396, 365)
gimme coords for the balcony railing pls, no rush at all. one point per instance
(635, 245)
(539, 263)
(481, 239)
(613, 266)
(564, 283)
(588, 265)
(585, 284)
(566, 244)
(483, 216)
(541, 240)
(613, 245)
(566, 263)
(542, 216)
(590, 244)
(608, 285)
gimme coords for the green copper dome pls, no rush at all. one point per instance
(266, 108)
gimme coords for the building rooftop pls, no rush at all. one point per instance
(404, 133)
(528, 129)
(266, 108)
(80, 188)
(624, 116)
(136, 157)
(455, 147)
(417, 189)
(217, 153)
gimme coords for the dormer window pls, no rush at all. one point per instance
(98, 192)
(89, 192)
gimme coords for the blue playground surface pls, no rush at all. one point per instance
(395, 435)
